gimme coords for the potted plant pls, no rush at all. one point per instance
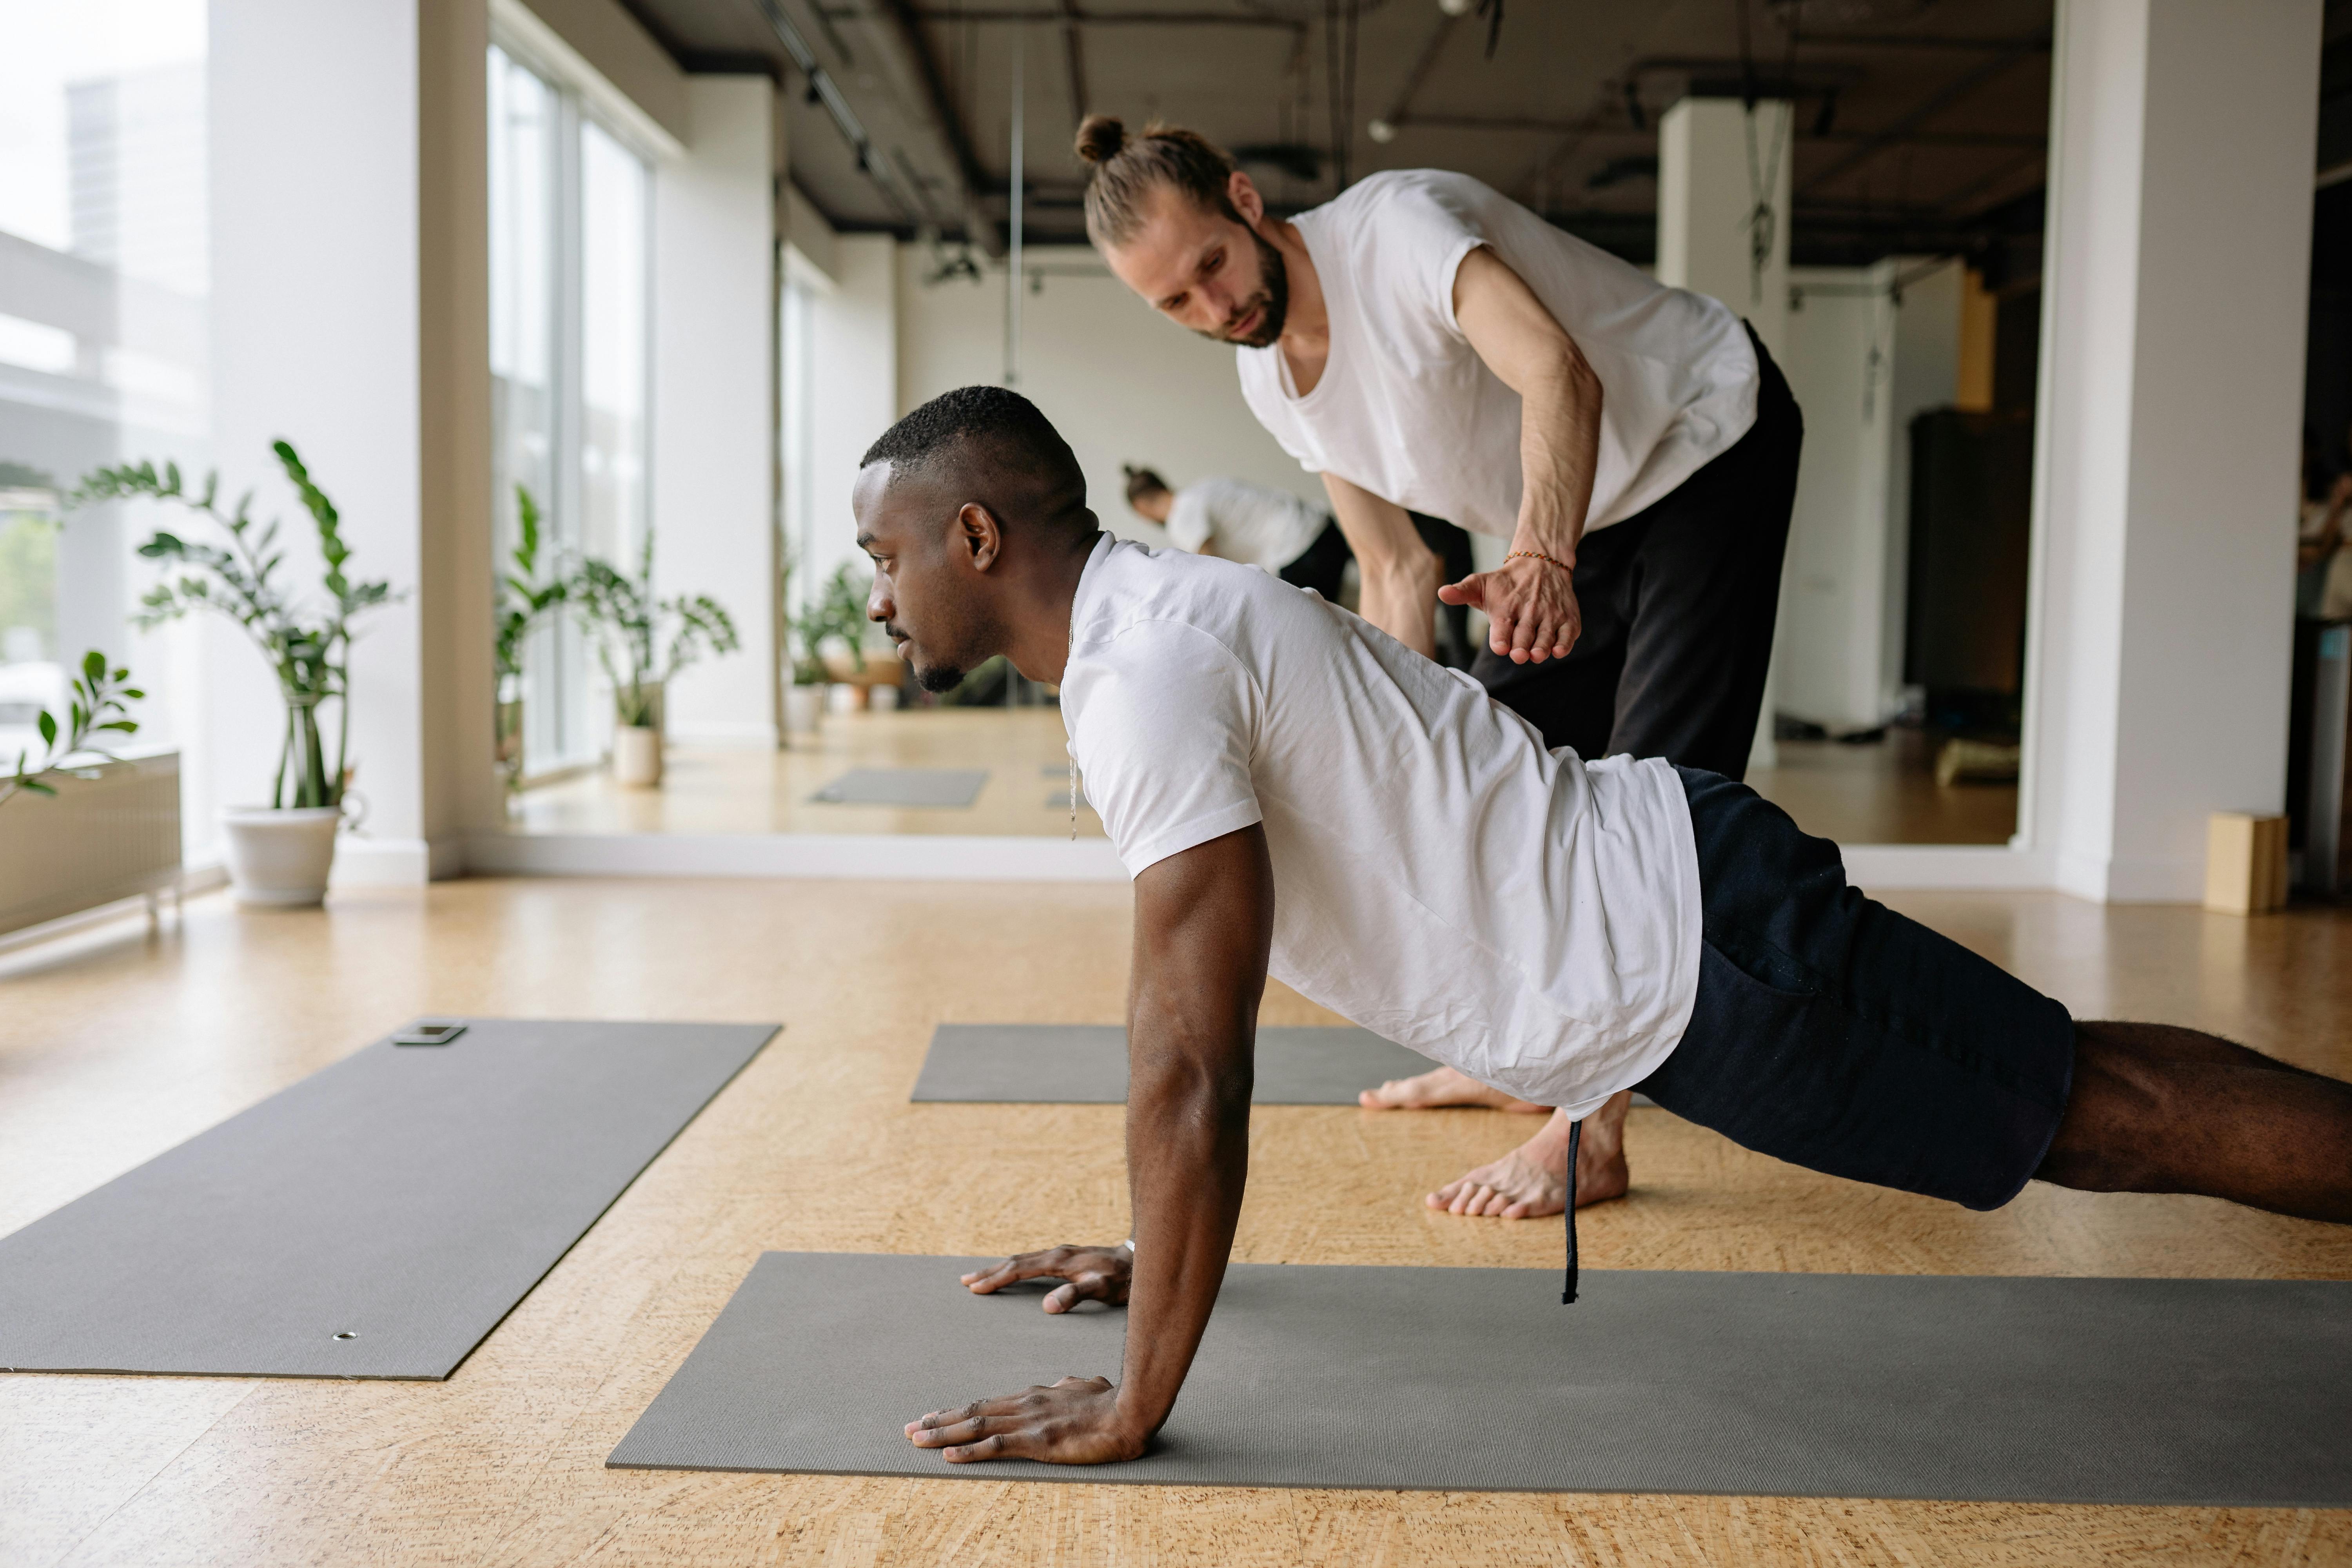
(644, 642)
(98, 708)
(840, 615)
(279, 854)
(525, 598)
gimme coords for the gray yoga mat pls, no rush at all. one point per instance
(1086, 1064)
(407, 1196)
(945, 787)
(2203, 1393)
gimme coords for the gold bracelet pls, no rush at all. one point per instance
(1536, 555)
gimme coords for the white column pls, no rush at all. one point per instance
(1718, 164)
(714, 420)
(1716, 167)
(2182, 140)
(350, 317)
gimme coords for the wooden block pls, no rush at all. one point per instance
(2245, 863)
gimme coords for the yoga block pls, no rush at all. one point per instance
(2245, 863)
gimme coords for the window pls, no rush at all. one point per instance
(570, 317)
(102, 324)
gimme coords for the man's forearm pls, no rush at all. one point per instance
(1560, 445)
(1398, 573)
(1187, 1158)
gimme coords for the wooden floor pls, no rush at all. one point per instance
(1883, 794)
(742, 789)
(114, 1045)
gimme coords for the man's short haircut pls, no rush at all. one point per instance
(999, 442)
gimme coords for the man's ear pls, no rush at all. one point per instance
(979, 535)
(1243, 194)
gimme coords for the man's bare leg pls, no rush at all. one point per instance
(2162, 1109)
(1440, 1087)
(1531, 1180)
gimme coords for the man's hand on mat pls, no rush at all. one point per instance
(1088, 1274)
(1074, 1422)
(1531, 1180)
(1442, 1086)
(1530, 605)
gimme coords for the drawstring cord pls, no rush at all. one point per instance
(1575, 1134)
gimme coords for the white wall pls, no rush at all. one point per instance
(713, 414)
(322, 303)
(1122, 384)
(1861, 368)
(2182, 145)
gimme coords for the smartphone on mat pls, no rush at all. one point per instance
(429, 1032)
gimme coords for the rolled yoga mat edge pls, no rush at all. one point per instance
(377, 1219)
(2152, 1392)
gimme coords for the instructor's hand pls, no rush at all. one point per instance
(1073, 1422)
(1530, 605)
(1088, 1274)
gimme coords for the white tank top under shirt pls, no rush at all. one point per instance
(1439, 876)
(1407, 410)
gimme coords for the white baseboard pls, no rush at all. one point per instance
(732, 733)
(2118, 880)
(384, 863)
(1932, 867)
(855, 855)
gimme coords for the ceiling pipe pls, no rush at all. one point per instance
(909, 53)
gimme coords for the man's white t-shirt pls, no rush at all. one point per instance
(1252, 525)
(1440, 878)
(1407, 410)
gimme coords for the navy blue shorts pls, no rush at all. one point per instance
(1835, 1034)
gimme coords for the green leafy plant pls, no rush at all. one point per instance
(98, 708)
(839, 611)
(642, 641)
(525, 598)
(308, 650)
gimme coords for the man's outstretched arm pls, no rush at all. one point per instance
(1203, 922)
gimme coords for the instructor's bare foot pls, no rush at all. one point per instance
(1531, 1180)
(1441, 1086)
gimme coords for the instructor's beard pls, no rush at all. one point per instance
(1272, 301)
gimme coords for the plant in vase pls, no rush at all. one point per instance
(281, 853)
(644, 642)
(525, 599)
(97, 709)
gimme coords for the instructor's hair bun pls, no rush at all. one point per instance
(1100, 137)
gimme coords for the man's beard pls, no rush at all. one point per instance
(1272, 301)
(938, 678)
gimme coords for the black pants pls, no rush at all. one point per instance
(1319, 568)
(1678, 602)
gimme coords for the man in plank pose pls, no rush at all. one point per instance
(1295, 791)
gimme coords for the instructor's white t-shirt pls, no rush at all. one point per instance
(1439, 876)
(1406, 408)
(1251, 523)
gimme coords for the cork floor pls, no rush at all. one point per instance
(115, 1044)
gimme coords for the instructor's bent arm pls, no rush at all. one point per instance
(1401, 574)
(1204, 923)
(1530, 600)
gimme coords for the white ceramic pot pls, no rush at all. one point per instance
(802, 706)
(280, 859)
(637, 755)
(881, 699)
(842, 697)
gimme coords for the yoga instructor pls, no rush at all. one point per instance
(1425, 344)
